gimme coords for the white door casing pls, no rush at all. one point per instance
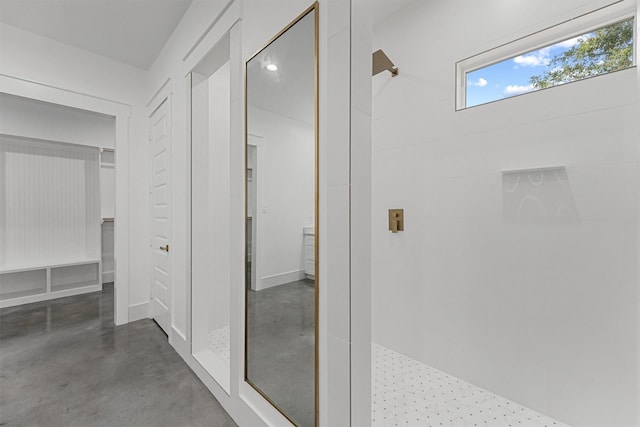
(160, 139)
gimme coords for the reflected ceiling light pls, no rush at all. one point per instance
(272, 67)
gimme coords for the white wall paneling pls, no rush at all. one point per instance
(51, 217)
(534, 302)
(51, 201)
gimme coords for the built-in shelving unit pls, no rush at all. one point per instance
(32, 283)
(51, 223)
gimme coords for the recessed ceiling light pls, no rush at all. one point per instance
(272, 67)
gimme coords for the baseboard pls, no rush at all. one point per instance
(179, 341)
(138, 311)
(108, 277)
(281, 279)
(242, 413)
(48, 296)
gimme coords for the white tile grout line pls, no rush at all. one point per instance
(406, 392)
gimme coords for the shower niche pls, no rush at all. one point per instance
(210, 236)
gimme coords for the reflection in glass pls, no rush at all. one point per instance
(280, 227)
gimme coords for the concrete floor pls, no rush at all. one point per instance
(280, 347)
(64, 363)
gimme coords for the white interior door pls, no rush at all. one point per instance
(160, 210)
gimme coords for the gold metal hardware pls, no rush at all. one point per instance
(381, 62)
(396, 220)
(165, 248)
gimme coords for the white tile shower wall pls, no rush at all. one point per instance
(543, 312)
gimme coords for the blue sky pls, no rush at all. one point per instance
(512, 77)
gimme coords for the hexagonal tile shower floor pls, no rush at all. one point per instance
(406, 392)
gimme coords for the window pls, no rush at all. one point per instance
(484, 79)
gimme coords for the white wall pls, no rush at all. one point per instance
(34, 58)
(49, 201)
(31, 57)
(219, 129)
(201, 243)
(210, 215)
(543, 312)
(40, 120)
(286, 182)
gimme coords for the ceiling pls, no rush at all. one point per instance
(382, 9)
(129, 31)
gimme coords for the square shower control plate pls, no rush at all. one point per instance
(396, 220)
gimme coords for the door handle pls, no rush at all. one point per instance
(165, 248)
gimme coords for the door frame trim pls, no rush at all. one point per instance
(39, 91)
